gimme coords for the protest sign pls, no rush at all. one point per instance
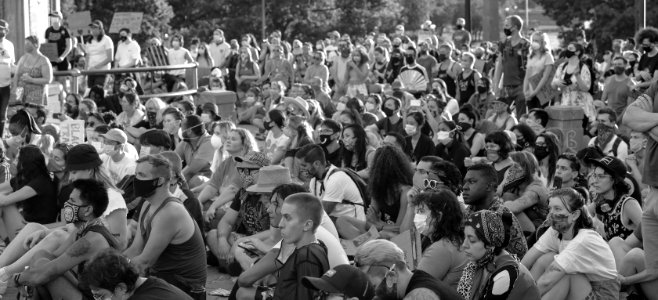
(409, 242)
(79, 22)
(49, 50)
(72, 132)
(130, 20)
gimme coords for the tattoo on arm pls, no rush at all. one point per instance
(80, 248)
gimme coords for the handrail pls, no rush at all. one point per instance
(169, 95)
(193, 85)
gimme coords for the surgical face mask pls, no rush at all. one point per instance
(144, 151)
(420, 221)
(216, 141)
(340, 106)
(535, 45)
(250, 100)
(108, 149)
(370, 106)
(205, 118)
(175, 44)
(443, 137)
(410, 129)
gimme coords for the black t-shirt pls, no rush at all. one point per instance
(41, 208)
(58, 37)
(156, 289)
(310, 260)
(648, 64)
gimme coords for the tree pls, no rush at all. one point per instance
(415, 13)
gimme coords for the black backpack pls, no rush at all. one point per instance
(360, 184)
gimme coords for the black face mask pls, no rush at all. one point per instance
(569, 53)
(619, 70)
(541, 152)
(460, 27)
(145, 188)
(410, 59)
(387, 111)
(442, 57)
(507, 31)
(152, 117)
(647, 48)
(482, 89)
(267, 126)
(465, 126)
(325, 139)
(632, 63)
(123, 38)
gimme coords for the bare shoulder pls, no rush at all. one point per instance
(421, 294)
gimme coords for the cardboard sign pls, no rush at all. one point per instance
(409, 242)
(350, 246)
(130, 20)
(78, 22)
(49, 50)
(72, 132)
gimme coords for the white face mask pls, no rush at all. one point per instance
(420, 221)
(250, 100)
(535, 45)
(410, 129)
(98, 146)
(144, 151)
(108, 149)
(216, 141)
(340, 106)
(370, 106)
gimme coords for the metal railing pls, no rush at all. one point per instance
(191, 77)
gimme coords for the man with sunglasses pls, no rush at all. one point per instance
(384, 263)
(246, 216)
(195, 149)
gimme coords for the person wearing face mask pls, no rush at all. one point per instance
(153, 120)
(59, 35)
(501, 115)
(114, 157)
(393, 121)
(450, 145)
(617, 88)
(99, 53)
(414, 76)
(449, 69)
(492, 272)
(339, 68)
(277, 68)
(473, 138)
(196, 150)
(606, 139)
(547, 149)
(110, 275)
(83, 211)
(276, 143)
(384, 263)
(647, 67)
(180, 257)
(33, 72)
(218, 48)
(461, 36)
(570, 258)
(177, 56)
(418, 143)
(329, 138)
(538, 72)
(575, 79)
(128, 51)
(511, 64)
(467, 79)
(483, 98)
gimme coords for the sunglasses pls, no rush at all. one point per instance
(431, 184)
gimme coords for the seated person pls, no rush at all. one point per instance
(629, 257)
(301, 216)
(523, 191)
(84, 209)
(168, 242)
(196, 151)
(153, 120)
(115, 158)
(386, 267)
(492, 273)
(110, 275)
(571, 259)
(247, 214)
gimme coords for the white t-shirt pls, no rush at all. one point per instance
(335, 252)
(622, 149)
(119, 170)
(537, 64)
(273, 144)
(97, 52)
(127, 54)
(587, 253)
(219, 53)
(7, 61)
(116, 201)
(177, 57)
(336, 188)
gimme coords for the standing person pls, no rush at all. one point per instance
(511, 63)
(219, 49)
(449, 69)
(60, 36)
(358, 69)
(128, 53)
(617, 88)
(247, 71)
(574, 79)
(647, 68)
(379, 65)
(412, 67)
(7, 60)
(467, 80)
(168, 241)
(317, 68)
(205, 62)
(339, 70)
(541, 61)
(277, 68)
(492, 272)
(33, 72)
(99, 51)
(461, 37)
(177, 56)
(426, 60)
(501, 115)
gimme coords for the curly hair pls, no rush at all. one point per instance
(446, 215)
(359, 148)
(450, 175)
(288, 189)
(391, 169)
(109, 269)
(650, 33)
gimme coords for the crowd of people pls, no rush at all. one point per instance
(331, 142)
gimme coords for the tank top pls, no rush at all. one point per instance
(421, 279)
(102, 230)
(612, 220)
(469, 143)
(451, 85)
(466, 86)
(186, 262)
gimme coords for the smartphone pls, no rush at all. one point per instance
(557, 183)
(414, 103)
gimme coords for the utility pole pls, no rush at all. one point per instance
(262, 15)
(467, 15)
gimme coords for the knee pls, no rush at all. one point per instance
(33, 227)
(546, 259)
(634, 257)
(616, 243)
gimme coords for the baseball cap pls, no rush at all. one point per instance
(4, 24)
(96, 23)
(344, 279)
(116, 135)
(56, 13)
(82, 157)
(254, 158)
(612, 165)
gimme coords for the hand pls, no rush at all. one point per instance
(468, 162)
(254, 244)
(631, 160)
(210, 214)
(411, 194)
(225, 251)
(34, 238)
(59, 60)
(621, 279)
(25, 77)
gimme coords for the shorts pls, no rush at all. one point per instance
(264, 293)
(355, 89)
(604, 290)
(650, 229)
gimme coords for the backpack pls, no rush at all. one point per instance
(615, 145)
(360, 184)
